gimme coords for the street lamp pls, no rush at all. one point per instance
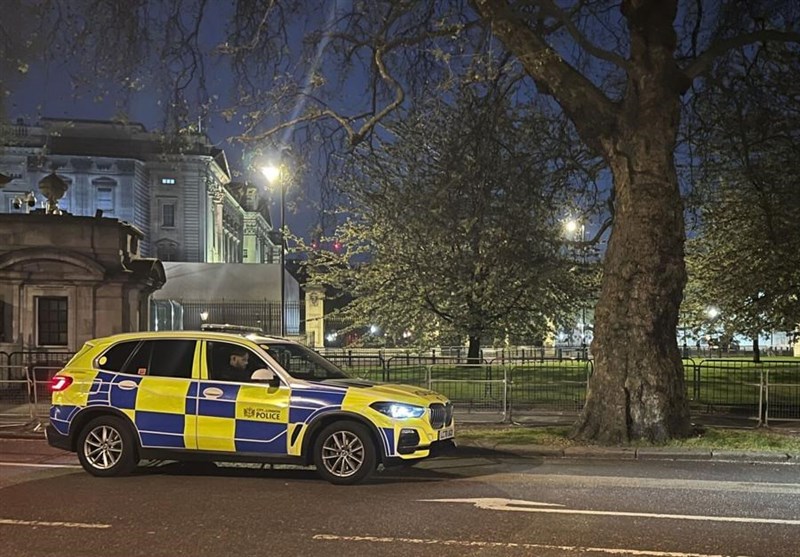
(573, 228)
(274, 175)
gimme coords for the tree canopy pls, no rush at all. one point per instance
(744, 259)
(454, 224)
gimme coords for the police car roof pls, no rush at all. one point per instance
(198, 335)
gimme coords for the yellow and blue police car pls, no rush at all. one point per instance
(198, 395)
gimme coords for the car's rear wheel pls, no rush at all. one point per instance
(106, 447)
(344, 453)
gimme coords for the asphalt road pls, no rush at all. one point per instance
(446, 507)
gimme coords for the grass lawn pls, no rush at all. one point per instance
(561, 385)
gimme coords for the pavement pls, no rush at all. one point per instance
(489, 447)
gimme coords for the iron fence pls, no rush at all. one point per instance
(497, 390)
(264, 314)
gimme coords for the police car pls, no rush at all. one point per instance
(176, 396)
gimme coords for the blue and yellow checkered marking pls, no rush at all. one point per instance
(305, 404)
(180, 413)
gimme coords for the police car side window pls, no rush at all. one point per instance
(172, 358)
(115, 357)
(163, 358)
(226, 362)
(139, 361)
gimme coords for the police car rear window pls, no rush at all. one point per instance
(163, 358)
(115, 357)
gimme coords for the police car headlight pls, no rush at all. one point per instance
(398, 411)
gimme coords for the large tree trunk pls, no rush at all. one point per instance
(474, 350)
(756, 349)
(637, 390)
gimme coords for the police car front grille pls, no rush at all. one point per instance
(441, 415)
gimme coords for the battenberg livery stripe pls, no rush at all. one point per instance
(259, 437)
(61, 417)
(387, 436)
(305, 404)
(159, 422)
(124, 398)
(159, 440)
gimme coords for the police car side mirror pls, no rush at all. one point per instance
(267, 376)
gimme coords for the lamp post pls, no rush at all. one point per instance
(573, 227)
(273, 174)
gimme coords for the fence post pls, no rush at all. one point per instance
(507, 410)
(766, 397)
(429, 378)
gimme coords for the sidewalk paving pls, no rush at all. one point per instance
(488, 447)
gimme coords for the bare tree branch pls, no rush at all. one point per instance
(703, 62)
(549, 7)
(591, 110)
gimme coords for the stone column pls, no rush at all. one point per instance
(315, 313)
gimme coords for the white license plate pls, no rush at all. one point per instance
(448, 433)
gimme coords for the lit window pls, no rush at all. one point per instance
(51, 320)
(168, 181)
(168, 215)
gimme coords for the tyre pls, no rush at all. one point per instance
(344, 453)
(106, 447)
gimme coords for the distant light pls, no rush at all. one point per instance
(571, 225)
(712, 312)
(374, 330)
(330, 337)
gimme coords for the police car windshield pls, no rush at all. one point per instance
(302, 363)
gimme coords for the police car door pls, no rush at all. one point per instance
(154, 389)
(235, 414)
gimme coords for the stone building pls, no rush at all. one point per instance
(177, 191)
(66, 279)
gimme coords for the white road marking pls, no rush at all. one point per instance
(583, 481)
(580, 550)
(518, 505)
(38, 465)
(14, 522)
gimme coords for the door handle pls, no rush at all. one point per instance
(212, 392)
(127, 385)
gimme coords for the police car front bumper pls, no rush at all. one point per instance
(57, 439)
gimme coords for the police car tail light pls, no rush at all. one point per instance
(60, 383)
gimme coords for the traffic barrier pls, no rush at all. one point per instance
(16, 400)
(479, 392)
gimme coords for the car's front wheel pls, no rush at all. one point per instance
(344, 453)
(106, 447)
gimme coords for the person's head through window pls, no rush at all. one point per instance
(239, 360)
